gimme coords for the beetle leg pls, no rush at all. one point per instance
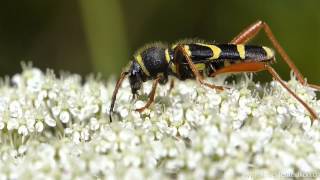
(251, 31)
(194, 70)
(151, 95)
(255, 66)
(171, 85)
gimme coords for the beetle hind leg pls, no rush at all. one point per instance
(261, 66)
(251, 31)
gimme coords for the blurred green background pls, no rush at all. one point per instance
(101, 35)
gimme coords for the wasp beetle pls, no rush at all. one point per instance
(197, 59)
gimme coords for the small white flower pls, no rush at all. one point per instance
(43, 94)
(14, 153)
(30, 123)
(125, 135)
(68, 130)
(15, 109)
(282, 110)
(304, 166)
(76, 137)
(13, 124)
(39, 126)
(100, 165)
(236, 124)
(50, 121)
(123, 111)
(177, 115)
(131, 160)
(2, 125)
(54, 127)
(17, 80)
(52, 95)
(22, 149)
(94, 108)
(242, 115)
(192, 115)
(55, 111)
(147, 124)
(64, 116)
(23, 130)
(215, 99)
(193, 159)
(85, 134)
(110, 135)
(174, 165)
(133, 174)
(184, 130)
(94, 124)
(138, 104)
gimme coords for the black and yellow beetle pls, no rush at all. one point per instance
(197, 59)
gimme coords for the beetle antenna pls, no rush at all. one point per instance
(115, 92)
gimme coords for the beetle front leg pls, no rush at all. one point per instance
(151, 95)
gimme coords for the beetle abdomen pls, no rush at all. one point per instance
(201, 53)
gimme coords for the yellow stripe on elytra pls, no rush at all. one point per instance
(269, 52)
(241, 51)
(140, 62)
(167, 55)
(216, 51)
(200, 66)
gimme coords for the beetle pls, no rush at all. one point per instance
(197, 59)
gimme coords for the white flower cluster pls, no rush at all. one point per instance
(58, 128)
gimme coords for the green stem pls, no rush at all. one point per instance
(105, 31)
